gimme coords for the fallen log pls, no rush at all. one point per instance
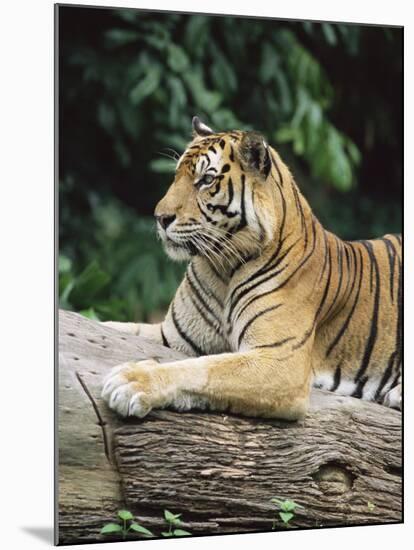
(342, 463)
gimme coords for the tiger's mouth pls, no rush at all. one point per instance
(180, 251)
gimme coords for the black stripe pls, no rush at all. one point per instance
(276, 344)
(339, 253)
(267, 165)
(277, 170)
(250, 321)
(358, 391)
(391, 252)
(337, 378)
(207, 292)
(214, 270)
(386, 376)
(352, 277)
(269, 263)
(396, 380)
(216, 189)
(309, 332)
(231, 193)
(164, 339)
(348, 319)
(305, 258)
(301, 264)
(183, 335)
(211, 324)
(325, 257)
(349, 279)
(261, 281)
(206, 216)
(223, 208)
(299, 208)
(374, 321)
(242, 222)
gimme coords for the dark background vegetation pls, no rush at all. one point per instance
(327, 96)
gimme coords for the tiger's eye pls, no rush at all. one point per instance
(207, 179)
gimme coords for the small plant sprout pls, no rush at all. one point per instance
(128, 525)
(286, 511)
(173, 521)
(370, 506)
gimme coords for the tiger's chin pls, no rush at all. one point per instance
(179, 252)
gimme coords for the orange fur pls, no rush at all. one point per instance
(271, 302)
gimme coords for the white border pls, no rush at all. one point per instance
(26, 233)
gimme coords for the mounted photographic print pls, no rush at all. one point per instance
(229, 272)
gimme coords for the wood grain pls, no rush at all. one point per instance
(342, 463)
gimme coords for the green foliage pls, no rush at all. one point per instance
(327, 96)
(130, 275)
(286, 511)
(173, 521)
(128, 525)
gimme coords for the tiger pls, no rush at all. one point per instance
(271, 303)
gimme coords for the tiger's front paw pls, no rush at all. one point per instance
(130, 389)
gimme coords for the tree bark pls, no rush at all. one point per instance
(342, 463)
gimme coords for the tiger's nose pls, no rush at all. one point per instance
(164, 220)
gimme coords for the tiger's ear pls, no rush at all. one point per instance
(254, 153)
(200, 129)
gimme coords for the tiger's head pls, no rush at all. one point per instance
(221, 202)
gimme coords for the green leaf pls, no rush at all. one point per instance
(177, 91)
(177, 58)
(90, 313)
(329, 33)
(111, 528)
(120, 37)
(140, 529)
(170, 516)
(288, 505)
(146, 86)
(127, 14)
(269, 63)
(206, 100)
(285, 134)
(181, 533)
(65, 264)
(222, 72)
(162, 166)
(197, 33)
(66, 284)
(166, 534)
(88, 285)
(125, 515)
(286, 516)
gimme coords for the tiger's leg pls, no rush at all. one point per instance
(254, 383)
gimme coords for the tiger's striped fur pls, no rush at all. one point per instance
(271, 302)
